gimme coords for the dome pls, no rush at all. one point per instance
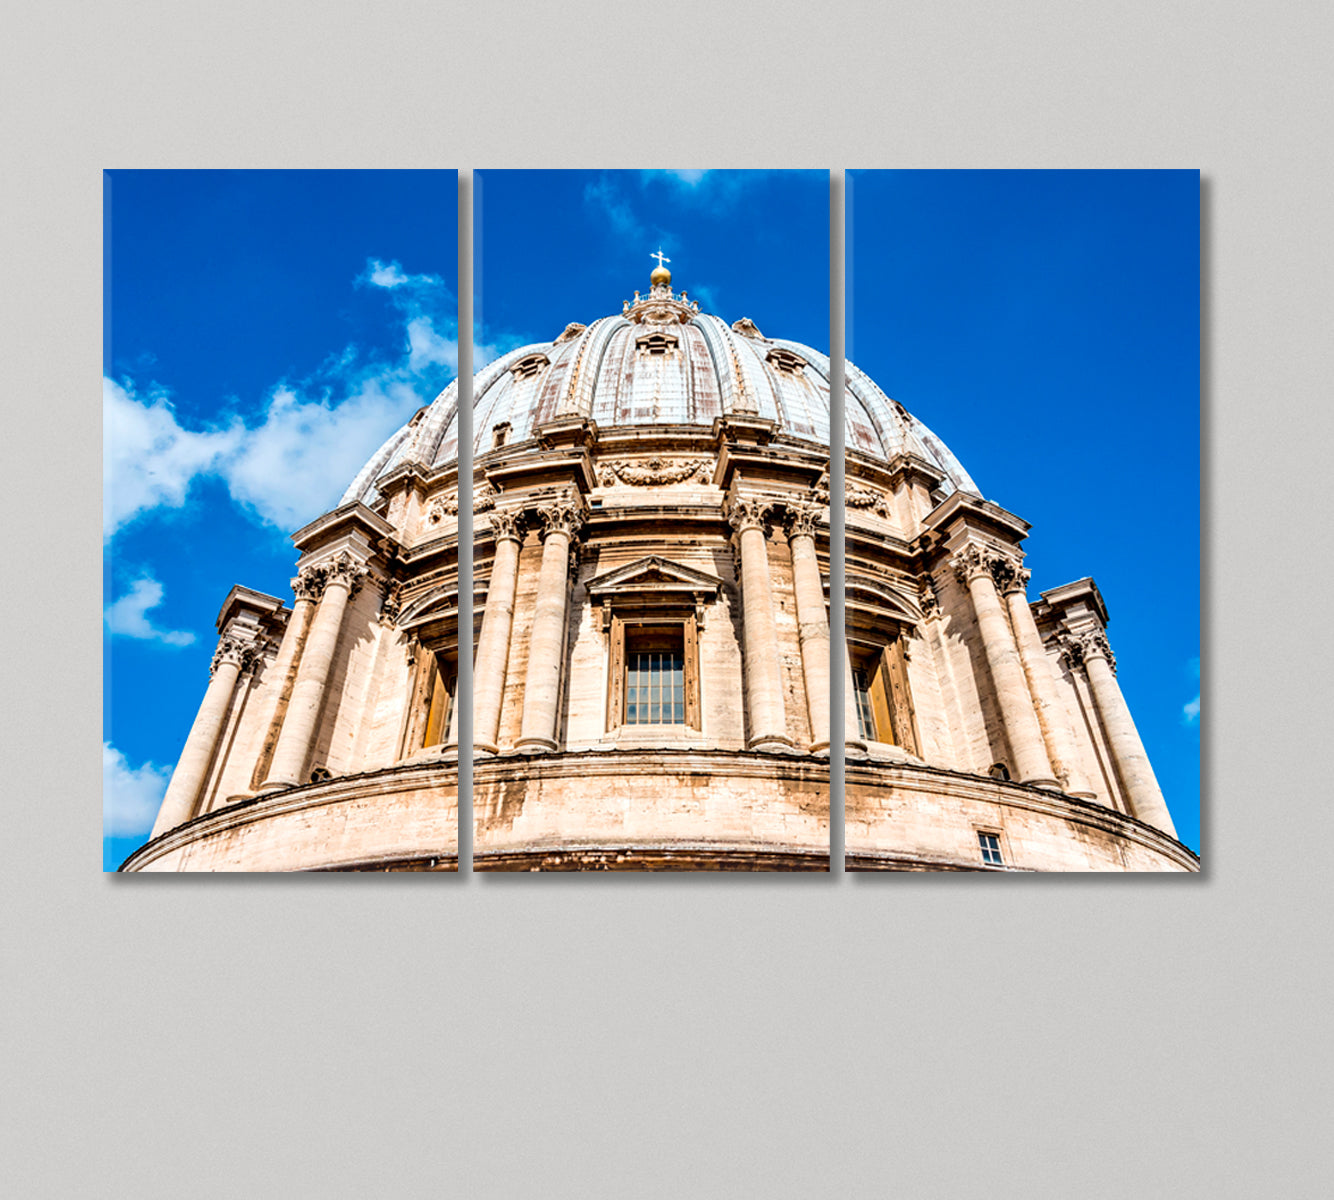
(661, 361)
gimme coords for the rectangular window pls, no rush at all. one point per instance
(655, 683)
(884, 701)
(861, 686)
(991, 852)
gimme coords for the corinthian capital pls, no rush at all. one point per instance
(801, 520)
(1080, 648)
(507, 525)
(969, 563)
(238, 649)
(1007, 572)
(561, 517)
(348, 571)
(309, 583)
(748, 512)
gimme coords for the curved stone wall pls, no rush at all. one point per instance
(903, 817)
(402, 819)
(646, 809)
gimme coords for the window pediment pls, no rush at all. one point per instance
(654, 579)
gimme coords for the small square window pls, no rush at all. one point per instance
(991, 852)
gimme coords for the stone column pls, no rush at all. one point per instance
(1130, 760)
(306, 587)
(493, 643)
(973, 567)
(546, 643)
(812, 621)
(343, 577)
(1053, 717)
(233, 655)
(764, 685)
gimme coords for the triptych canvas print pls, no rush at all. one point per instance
(675, 543)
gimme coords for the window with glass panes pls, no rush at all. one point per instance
(861, 686)
(991, 851)
(655, 684)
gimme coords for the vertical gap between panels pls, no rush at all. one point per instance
(465, 494)
(838, 187)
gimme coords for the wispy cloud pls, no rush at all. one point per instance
(607, 197)
(686, 179)
(128, 616)
(312, 436)
(1190, 711)
(131, 796)
(148, 458)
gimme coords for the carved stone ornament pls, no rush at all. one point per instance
(1078, 648)
(655, 472)
(560, 517)
(747, 328)
(347, 570)
(507, 525)
(748, 512)
(392, 604)
(927, 600)
(1008, 575)
(802, 519)
(309, 583)
(869, 498)
(483, 500)
(572, 330)
(244, 652)
(969, 563)
(820, 493)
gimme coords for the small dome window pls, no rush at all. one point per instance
(785, 362)
(656, 344)
(529, 365)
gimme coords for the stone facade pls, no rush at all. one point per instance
(654, 667)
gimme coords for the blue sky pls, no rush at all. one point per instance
(561, 246)
(264, 331)
(1046, 325)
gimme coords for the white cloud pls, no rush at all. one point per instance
(311, 438)
(148, 458)
(131, 796)
(426, 347)
(1190, 711)
(296, 464)
(391, 275)
(128, 616)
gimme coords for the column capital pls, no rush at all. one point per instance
(240, 649)
(971, 563)
(748, 512)
(507, 525)
(801, 520)
(1008, 572)
(309, 582)
(561, 516)
(347, 571)
(1079, 648)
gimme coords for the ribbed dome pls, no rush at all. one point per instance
(661, 362)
